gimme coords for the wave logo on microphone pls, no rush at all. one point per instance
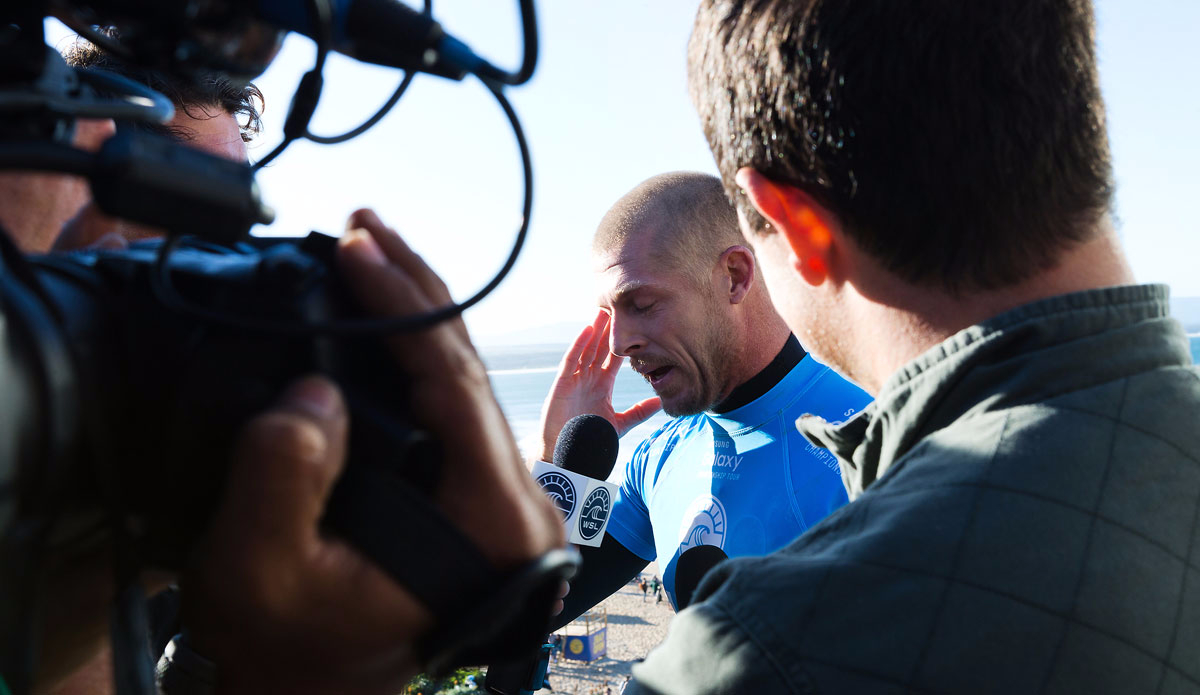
(560, 490)
(594, 513)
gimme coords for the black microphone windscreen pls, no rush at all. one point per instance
(587, 445)
(691, 567)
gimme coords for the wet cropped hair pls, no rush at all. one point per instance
(685, 215)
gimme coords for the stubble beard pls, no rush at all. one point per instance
(718, 346)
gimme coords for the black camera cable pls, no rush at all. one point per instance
(378, 115)
(308, 92)
(165, 292)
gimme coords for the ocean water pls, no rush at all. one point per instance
(521, 377)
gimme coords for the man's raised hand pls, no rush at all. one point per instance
(584, 384)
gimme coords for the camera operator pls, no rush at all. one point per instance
(43, 210)
(212, 114)
(312, 557)
(276, 605)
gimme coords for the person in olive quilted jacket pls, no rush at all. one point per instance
(928, 188)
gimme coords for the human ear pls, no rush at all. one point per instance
(802, 221)
(737, 264)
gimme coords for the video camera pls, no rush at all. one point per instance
(125, 375)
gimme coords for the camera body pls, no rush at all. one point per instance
(161, 395)
(130, 411)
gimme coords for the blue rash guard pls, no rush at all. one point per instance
(744, 480)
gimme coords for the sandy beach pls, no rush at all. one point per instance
(635, 626)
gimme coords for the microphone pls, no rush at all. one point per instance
(693, 564)
(584, 456)
(587, 445)
(384, 32)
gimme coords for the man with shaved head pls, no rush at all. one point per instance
(681, 297)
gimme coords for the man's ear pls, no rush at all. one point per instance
(737, 264)
(805, 224)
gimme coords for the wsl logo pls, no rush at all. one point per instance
(594, 513)
(560, 490)
(704, 523)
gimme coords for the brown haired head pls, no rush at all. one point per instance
(196, 97)
(961, 144)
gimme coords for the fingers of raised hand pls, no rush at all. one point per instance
(571, 359)
(589, 350)
(637, 414)
(595, 356)
(612, 363)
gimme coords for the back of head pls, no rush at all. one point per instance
(961, 144)
(684, 216)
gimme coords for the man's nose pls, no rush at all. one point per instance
(623, 337)
(90, 133)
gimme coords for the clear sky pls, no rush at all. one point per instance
(608, 108)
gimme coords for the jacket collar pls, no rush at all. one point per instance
(1029, 354)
